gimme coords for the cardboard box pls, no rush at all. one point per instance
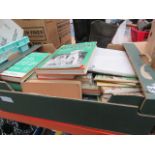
(150, 47)
(40, 31)
(47, 48)
(66, 40)
(64, 31)
(9, 31)
(43, 31)
(62, 23)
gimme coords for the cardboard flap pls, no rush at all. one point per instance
(50, 48)
(150, 47)
(147, 49)
(146, 76)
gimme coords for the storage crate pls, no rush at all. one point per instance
(137, 35)
(8, 49)
(128, 114)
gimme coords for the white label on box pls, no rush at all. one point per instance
(151, 88)
(6, 99)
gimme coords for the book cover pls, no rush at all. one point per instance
(108, 84)
(114, 90)
(25, 65)
(113, 62)
(70, 56)
(116, 79)
(58, 88)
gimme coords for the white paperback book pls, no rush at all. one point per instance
(113, 62)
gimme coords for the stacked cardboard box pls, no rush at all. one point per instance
(42, 31)
(63, 27)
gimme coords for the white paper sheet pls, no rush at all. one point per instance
(112, 62)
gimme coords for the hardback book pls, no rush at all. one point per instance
(91, 89)
(108, 84)
(23, 68)
(115, 79)
(55, 88)
(55, 77)
(115, 90)
(72, 59)
(85, 79)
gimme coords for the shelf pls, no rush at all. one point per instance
(54, 125)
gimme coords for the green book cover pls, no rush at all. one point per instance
(25, 65)
(15, 86)
(70, 56)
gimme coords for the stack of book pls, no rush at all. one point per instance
(67, 62)
(21, 70)
(114, 85)
(58, 74)
(79, 71)
(89, 87)
(114, 74)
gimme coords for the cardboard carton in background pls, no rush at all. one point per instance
(64, 31)
(40, 31)
(63, 26)
(66, 40)
(43, 31)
